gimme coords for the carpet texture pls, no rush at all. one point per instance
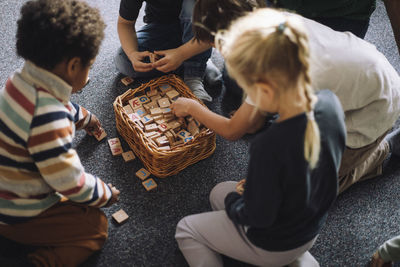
(361, 219)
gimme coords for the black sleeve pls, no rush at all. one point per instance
(259, 205)
(129, 9)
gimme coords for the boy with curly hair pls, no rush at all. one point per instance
(59, 40)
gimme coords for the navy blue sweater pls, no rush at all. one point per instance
(284, 203)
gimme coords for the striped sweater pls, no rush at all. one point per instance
(37, 162)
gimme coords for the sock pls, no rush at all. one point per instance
(212, 75)
(195, 84)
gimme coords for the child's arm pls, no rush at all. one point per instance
(261, 199)
(393, 11)
(241, 123)
(173, 58)
(50, 146)
(129, 43)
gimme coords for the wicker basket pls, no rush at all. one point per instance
(168, 162)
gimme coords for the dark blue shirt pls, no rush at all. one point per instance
(157, 11)
(284, 202)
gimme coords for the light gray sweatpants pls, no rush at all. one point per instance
(203, 237)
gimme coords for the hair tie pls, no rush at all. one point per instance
(310, 115)
(282, 27)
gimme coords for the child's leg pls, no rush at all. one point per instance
(219, 192)
(151, 37)
(66, 234)
(363, 163)
(203, 237)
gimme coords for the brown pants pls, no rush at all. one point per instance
(362, 163)
(66, 234)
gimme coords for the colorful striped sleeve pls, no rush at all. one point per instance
(50, 145)
(80, 114)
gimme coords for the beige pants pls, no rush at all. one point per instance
(362, 163)
(203, 237)
(65, 234)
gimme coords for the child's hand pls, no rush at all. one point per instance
(171, 60)
(94, 125)
(137, 58)
(115, 195)
(240, 186)
(377, 261)
(181, 106)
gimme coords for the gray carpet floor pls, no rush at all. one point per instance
(362, 218)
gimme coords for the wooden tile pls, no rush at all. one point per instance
(182, 121)
(134, 117)
(149, 184)
(127, 80)
(151, 127)
(173, 94)
(162, 141)
(161, 121)
(100, 134)
(192, 128)
(147, 119)
(170, 137)
(164, 102)
(155, 111)
(164, 88)
(187, 139)
(150, 134)
(174, 124)
(153, 104)
(141, 112)
(144, 99)
(154, 137)
(120, 216)
(163, 127)
(155, 98)
(142, 174)
(151, 92)
(114, 142)
(167, 111)
(128, 156)
(116, 150)
(164, 148)
(183, 134)
(158, 117)
(128, 109)
(153, 57)
(135, 103)
(177, 143)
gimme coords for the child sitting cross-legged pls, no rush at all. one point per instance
(59, 40)
(292, 174)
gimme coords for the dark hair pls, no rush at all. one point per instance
(50, 31)
(209, 16)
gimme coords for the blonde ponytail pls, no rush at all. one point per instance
(312, 139)
(269, 46)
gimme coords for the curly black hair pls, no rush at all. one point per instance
(209, 16)
(50, 31)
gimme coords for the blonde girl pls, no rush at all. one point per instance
(292, 172)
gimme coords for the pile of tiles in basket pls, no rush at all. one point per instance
(152, 114)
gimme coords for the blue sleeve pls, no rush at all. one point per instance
(262, 197)
(129, 9)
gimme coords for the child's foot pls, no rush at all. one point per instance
(212, 76)
(195, 84)
(393, 139)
